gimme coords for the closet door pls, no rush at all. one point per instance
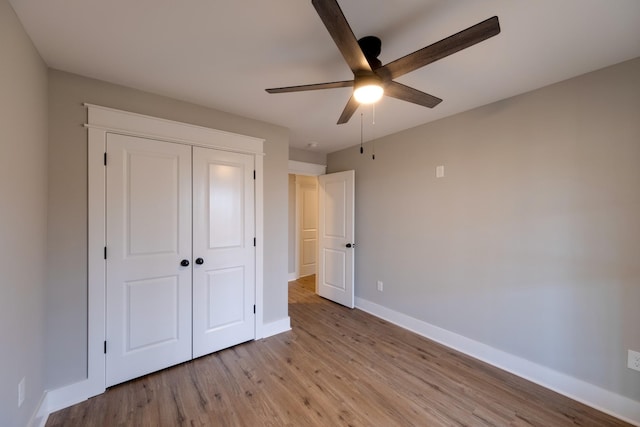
(148, 290)
(223, 250)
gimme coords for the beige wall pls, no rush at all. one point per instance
(307, 156)
(23, 219)
(531, 242)
(67, 248)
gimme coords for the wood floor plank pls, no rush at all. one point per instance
(337, 367)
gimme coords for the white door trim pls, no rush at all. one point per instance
(134, 124)
(309, 169)
(297, 228)
(100, 121)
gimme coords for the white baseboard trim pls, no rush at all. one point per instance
(69, 395)
(277, 327)
(63, 397)
(581, 391)
(41, 414)
(292, 276)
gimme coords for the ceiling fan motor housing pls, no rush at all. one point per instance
(371, 47)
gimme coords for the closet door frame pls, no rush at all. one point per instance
(100, 122)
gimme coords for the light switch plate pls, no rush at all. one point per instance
(21, 392)
(634, 360)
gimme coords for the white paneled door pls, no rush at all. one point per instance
(179, 284)
(307, 200)
(223, 250)
(148, 236)
(336, 237)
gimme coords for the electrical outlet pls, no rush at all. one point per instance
(380, 285)
(21, 392)
(634, 360)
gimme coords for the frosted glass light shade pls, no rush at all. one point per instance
(368, 94)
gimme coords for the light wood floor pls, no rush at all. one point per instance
(337, 367)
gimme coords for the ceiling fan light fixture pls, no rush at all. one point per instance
(367, 89)
(368, 94)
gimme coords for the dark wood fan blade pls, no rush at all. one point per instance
(332, 85)
(342, 35)
(409, 94)
(349, 109)
(443, 48)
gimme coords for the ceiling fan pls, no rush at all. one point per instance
(371, 78)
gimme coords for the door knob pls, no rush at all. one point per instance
(184, 263)
(349, 245)
(199, 261)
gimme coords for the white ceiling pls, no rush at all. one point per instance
(223, 54)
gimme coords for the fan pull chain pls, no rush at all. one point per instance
(373, 141)
(361, 127)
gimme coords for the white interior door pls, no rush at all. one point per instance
(336, 237)
(148, 222)
(307, 201)
(223, 249)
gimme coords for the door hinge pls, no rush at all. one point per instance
(254, 241)
(105, 347)
(105, 159)
(254, 174)
(105, 252)
(254, 309)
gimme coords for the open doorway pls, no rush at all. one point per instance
(303, 220)
(321, 233)
(303, 225)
